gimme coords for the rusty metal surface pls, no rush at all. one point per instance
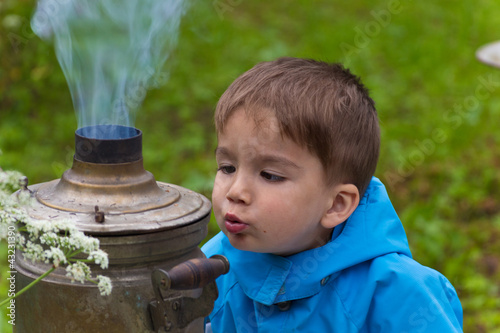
(490, 54)
(174, 313)
(129, 198)
(115, 188)
(56, 305)
(142, 224)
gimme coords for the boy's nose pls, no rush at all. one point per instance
(239, 190)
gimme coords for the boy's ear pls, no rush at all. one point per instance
(344, 200)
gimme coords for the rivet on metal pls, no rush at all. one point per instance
(24, 182)
(99, 216)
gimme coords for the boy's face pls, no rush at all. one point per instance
(270, 194)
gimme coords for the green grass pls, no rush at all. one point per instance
(440, 158)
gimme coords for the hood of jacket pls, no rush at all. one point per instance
(373, 230)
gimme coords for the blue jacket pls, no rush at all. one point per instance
(364, 280)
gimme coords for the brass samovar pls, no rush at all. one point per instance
(150, 230)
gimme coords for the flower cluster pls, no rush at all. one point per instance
(10, 181)
(56, 242)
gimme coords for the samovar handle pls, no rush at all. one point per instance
(173, 313)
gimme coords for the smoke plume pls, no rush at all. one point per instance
(111, 52)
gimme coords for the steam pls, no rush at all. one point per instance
(111, 52)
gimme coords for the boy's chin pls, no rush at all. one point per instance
(238, 243)
(244, 243)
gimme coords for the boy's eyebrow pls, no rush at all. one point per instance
(271, 159)
(221, 151)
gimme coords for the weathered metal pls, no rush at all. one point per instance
(108, 144)
(174, 313)
(142, 224)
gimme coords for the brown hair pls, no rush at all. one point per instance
(321, 106)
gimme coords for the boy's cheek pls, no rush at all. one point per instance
(216, 192)
(217, 198)
(216, 189)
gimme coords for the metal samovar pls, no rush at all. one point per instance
(150, 230)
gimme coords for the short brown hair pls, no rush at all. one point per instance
(321, 106)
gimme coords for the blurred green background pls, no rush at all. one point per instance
(438, 107)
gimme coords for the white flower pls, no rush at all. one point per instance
(33, 251)
(100, 258)
(65, 225)
(65, 243)
(6, 217)
(49, 238)
(85, 243)
(10, 181)
(104, 285)
(37, 227)
(60, 236)
(4, 228)
(21, 240)
(78, 271)
(24, 198)
(55, 256)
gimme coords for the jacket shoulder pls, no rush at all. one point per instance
(423, 299)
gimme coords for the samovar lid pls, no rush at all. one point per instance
(107, 191)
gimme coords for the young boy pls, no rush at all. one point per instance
(312, 238)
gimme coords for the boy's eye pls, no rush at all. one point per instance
(227, 169)
(271, 177)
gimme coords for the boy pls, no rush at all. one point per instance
(312, 238)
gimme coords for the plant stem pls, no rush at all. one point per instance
(28, 286)
(74, 253)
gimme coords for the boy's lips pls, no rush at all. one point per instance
(233, 224)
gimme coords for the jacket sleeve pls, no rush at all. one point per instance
(414, 298)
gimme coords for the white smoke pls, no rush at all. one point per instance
(111, 51)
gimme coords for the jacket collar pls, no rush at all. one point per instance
(374, 229)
